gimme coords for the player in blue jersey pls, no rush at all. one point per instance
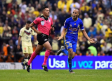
(71, 27)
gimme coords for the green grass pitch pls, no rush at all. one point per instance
(56, 75)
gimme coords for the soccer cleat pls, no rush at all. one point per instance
(45, 68)
(28, 67)
(62, 47)
(71, 71)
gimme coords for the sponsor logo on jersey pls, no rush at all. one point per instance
(49, 20)
(70, 25)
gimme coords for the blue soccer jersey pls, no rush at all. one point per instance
(71, 36)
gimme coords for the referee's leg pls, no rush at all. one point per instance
(35, 53)
(48, 50)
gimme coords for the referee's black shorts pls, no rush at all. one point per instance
(42, 38)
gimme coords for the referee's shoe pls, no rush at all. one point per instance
(28, 67)
(45, 68)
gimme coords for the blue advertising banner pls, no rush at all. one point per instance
(79, 62)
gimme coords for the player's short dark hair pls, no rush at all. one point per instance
(75, 0)
(28, 22)
(44, 7)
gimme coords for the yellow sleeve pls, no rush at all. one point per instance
(88, 8)
(106, 34)
(99, 26)
(82, 8)
(59, 4)
(36, 13)
(69, 2)
(21, 32)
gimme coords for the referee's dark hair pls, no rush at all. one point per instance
(44, 7)
(28, 22)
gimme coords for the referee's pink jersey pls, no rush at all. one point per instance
(43, 25)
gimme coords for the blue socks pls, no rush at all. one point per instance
(69, 59)
(70, 63)
(65, 51)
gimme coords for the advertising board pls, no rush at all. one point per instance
(79, 62)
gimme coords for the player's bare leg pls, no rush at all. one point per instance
(70, 56)
(25, 60)
(34, 54)
(73, 55)
(26, 57)
(47, 53)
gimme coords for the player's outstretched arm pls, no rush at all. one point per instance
(85, 34)
(62, 34)
(35, 39)
(19, 40)
(32, 26)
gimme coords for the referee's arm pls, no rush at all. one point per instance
(32, 26)
(53, 28)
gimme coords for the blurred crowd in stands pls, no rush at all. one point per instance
(95, 14)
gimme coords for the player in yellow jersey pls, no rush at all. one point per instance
(25, 36)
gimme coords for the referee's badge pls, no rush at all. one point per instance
(49, 20)
(75, 24)
(42, 22)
